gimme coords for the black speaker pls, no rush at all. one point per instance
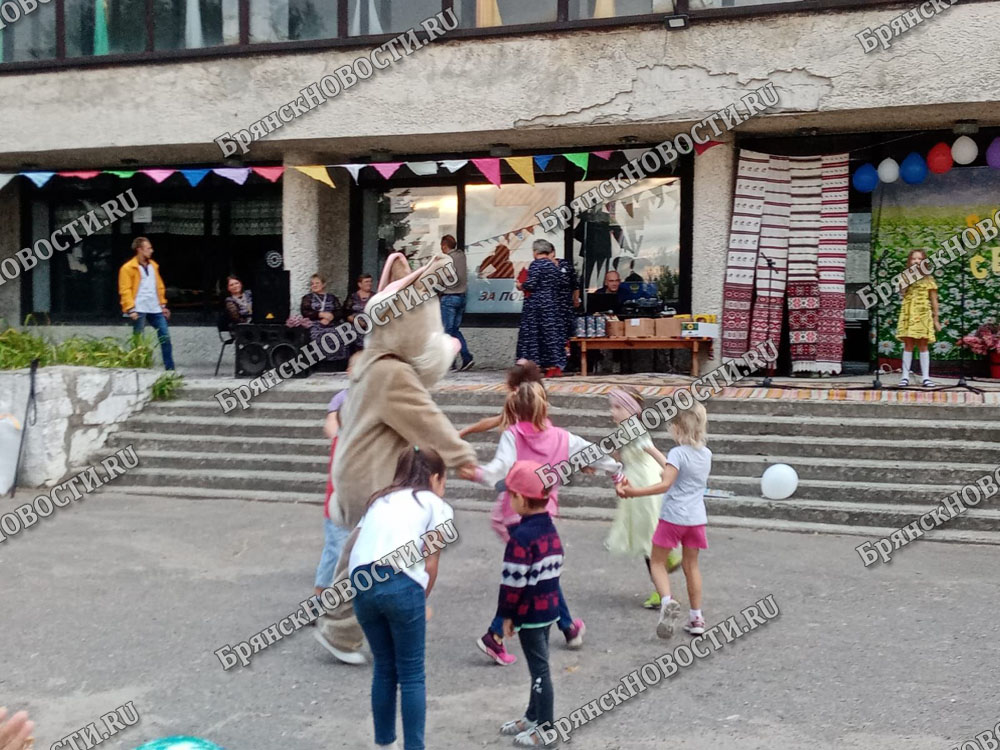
(261, 347)
(270, 295)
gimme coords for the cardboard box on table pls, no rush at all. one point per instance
(615, 329)
(639, 328)
(699, 330)
(667, 328)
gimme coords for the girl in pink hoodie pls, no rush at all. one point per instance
(530, 436)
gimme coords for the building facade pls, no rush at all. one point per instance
(130, 85)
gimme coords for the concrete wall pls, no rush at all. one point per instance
(10, 231)
(77, 407)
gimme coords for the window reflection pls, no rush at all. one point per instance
(284, 20)
(105, 27)
(191, 24)
(31, 36)
(581, 9)
(384, 16)
(485, 13)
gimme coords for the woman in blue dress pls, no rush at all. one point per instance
(546, 315)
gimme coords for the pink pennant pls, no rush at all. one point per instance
(158, 175)
(602, 154)
(269, 173)
(79, 175)
(490, 169)
(387, 168)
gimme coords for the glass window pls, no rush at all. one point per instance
(191, 24)
(103, 27)
(580, 9)
(29, 36)
(409, 221)
(708, 4)
(500, 226)
(637, 234)
(284, 20)
(383, 16)
(483, 13)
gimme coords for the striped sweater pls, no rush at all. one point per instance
(532, 562)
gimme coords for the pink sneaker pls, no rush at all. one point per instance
(496, 651)
(574, 634)
(696, 626)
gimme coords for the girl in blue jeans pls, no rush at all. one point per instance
(392, 606)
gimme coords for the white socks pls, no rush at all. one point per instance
(695, 614)
(925, 364)
(907, 362)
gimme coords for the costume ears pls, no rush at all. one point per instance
(397, 274)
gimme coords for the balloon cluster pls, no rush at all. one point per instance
(915, 168)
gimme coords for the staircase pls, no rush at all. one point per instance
(862, 466)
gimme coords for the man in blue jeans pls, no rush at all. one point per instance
(453, 303)
(143, 296)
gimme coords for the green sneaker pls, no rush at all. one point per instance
(653, 602)
(673, 560)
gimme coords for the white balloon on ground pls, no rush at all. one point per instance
(964, 150)
(779, 482)
(888, 170)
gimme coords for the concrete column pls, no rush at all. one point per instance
(335, 234)
(714, 172)
(301, 201)
(10, 231)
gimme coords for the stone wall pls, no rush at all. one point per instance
(77, 407)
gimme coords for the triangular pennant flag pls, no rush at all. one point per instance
(423, 168)
(194, 176)
(581, 160)
(122, 173)
(519, 234)
(490, 169)
(89, 175)
(453, 165)
(5, 178)
(238, 175)
(700, 148)
(531, 229)
(523, 166)
(354, 169)
(602, 154)
(272, 174)
(543, 161)
(387, 168)
(628, 208)
(633, 153)
(158, 175)
(317, 173)
(39, 178)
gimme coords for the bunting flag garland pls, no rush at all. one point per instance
(194, 176)
(39, 178)
(89, 175)
(543, 160)
(353, 169)
(632, 154)
(602, 154)
(238, 175)
(581, 160)
(271, 174)
(423, 168)
(124, 174)
(700, 148)
(453, 165)
(317, 173)
(387, 169)
(522, 165)
(490, 169)
(157, 175)
(629, 209)
(5, 178)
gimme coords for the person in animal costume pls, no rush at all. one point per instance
(389, 408)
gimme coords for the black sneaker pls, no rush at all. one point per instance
(467, 365)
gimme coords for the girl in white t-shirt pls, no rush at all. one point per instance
(682, 516)
(407, 523)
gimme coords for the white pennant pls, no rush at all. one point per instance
(453, 165)
(5, 178)
(423, 168)
(354, 169)
(633, 153)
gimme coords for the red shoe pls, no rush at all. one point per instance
(553, 372)
(496, 651)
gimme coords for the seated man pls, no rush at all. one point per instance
(612, 281)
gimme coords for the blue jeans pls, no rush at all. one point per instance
(393, 615)
(159, 322)
(335, 536)
(452, 310)
(565, 621)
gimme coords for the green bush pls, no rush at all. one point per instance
(166, 386)
(18, 348)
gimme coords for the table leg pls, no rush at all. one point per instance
(583, 358)
(694, 359)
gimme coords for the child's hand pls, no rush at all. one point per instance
(937, 325)
(623, 488)
(508, 628)
(468, 471)
(430, 613)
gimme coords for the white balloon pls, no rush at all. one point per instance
(964, 150)
(888, 171)
(779, 482)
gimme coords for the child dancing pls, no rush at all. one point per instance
(918, 321)
(682, 516)
(531, 436)
(635, 520)
(528, 602)
(393, 611)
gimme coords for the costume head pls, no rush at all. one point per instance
(417, 335)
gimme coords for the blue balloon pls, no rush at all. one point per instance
(866, 178)
(179, 743)
(913, 170)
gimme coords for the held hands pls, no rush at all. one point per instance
(133, 315)
(508, 628)
(624, 489)
(468, 472)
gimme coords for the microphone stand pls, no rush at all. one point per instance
(767, 382)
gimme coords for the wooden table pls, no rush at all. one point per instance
(651, 342)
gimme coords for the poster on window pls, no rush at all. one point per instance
(906, 217)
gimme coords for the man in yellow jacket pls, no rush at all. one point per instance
(144, 297)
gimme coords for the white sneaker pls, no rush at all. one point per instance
(670, 612)
(348, 657)
(517, 726)
(392, 746)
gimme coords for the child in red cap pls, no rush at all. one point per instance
(529, 594)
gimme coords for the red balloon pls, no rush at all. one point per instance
(939, 159)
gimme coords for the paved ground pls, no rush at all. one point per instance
(124, 599)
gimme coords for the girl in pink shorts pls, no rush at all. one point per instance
(682, 516)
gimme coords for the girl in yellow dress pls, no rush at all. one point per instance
(635, 520)
(918, 321)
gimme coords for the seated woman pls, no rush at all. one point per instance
(326, 313)
(239, 303)
(355, 304)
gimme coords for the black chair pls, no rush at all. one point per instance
(225, 336)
